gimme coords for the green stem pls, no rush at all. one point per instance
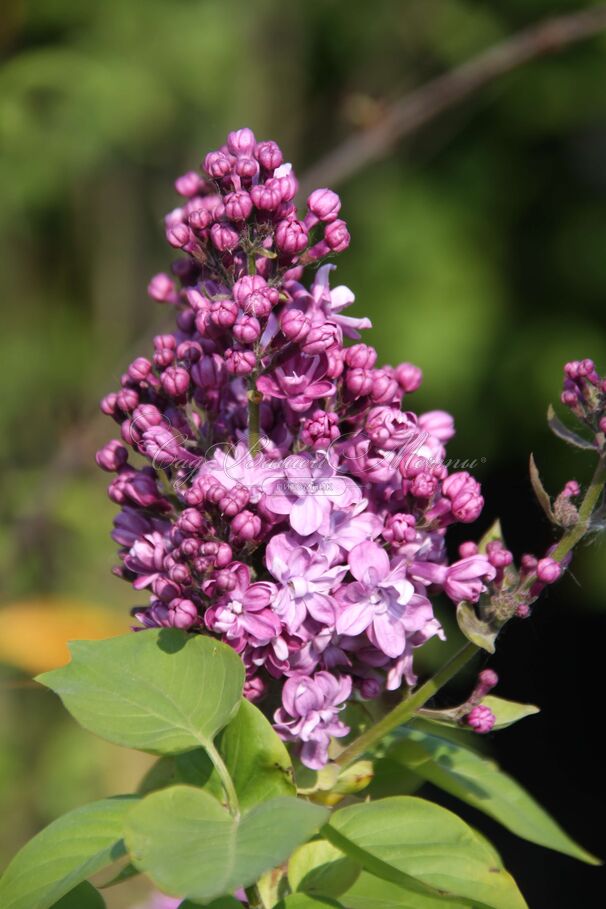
(226, 780)
(254, 897)
(254, 427)
(408, 707)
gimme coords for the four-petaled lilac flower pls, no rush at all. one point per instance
(243, 614)
(331, 302)
(376, 602)
(310, 705)
(300, 381)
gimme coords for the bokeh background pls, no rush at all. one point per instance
(478, 250)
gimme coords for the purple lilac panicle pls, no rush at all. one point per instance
(311, 539)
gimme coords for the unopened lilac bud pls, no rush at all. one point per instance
(184, 613)
(384, 387)
(127, 400)
(468, 549)
(269, 155)
(548, 571)
(498, 556)
(240, 362)
(321, 338)
(224, 236)
(571, 489)
(295, 325)
(289, 185)
(175, 381)
(481, 719)
(241, 141)
(147, 415)
(200, 219)
(408, 377)
(189, 184)
(266, 196)
(319, 430)
(180, 236)
(238, 206)
(139, 369)
(190, 521)
(112, 456)
(224, 313)
(233, 501)
(217, 164)
(337, 236)
(291, 237)
(324, 204)
(370, 689)
(162, 289)
(487, 680)
(223, 555)
(360, 356)
(108, 404)
(247, 168)
(523, 611)
(359, 381)
(189, 351)
(246, 329)
(423, 485)
(254, 688)
(246, 526)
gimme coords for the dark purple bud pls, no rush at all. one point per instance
(324, 204)
(370, 689)
(269, 155)
(238, 206)
(184, 613)
(190, 351)
(291, 237)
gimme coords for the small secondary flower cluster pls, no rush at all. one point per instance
(288, 503)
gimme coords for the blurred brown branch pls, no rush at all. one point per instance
(406, 116)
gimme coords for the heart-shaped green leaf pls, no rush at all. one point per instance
(481, 783)
(370, 892)
(415, 843)
(83, 897)
(190, 845)
(256, 758)
(64, 854)
(161, 690)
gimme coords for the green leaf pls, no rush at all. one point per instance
(476, 630)
(481, 783)
(190, 846)
(161, 690)
(255, 756)
(306, 901)
(224, 902)
(560, 430)
(64, 854)
(322, 869)
(83, 897)
(507, 713)
(417, 844)
(540, 491)
(370, 892)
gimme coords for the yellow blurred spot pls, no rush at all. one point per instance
(34, 633)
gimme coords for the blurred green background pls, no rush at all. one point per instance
(478, 251)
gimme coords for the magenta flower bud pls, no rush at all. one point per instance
(259, 304)
(548, 571)
(384, 389)
(233, 501)
(571, 489)
(247, 168)
(423, 486)
(319, 430)
(269, 155)
(370, 689)
(468, 549)
(162, 341)
(180, 236)
(254, 689)
(139, 369)
(295, 325)
(224, 236)
(224, 555)
(487, 680)
(108, 404)
(523, 611)
(238, 206)
(246, 329)
(127, 399)
(291, 237)
(245, 526)
(162, 289)
(200, 219)
(146, 416)
(359, 381)
(224, 313)
(190, 351)
(175, 381)
(189, 184)
(240, 362)
(603, 424)
(164, 357)
(337, 236)
(289, 186)
(360, 356)
(184, 613)
(324, 204)
(321, 338)
(400, 528)
(112, 456)
(241, 142)
(190, 521)
(498, 556)
(481, 719)
(266, 196)
(528, 564)
(408, 377)
(217, 164)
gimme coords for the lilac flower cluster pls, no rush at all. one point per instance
(283, 496)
